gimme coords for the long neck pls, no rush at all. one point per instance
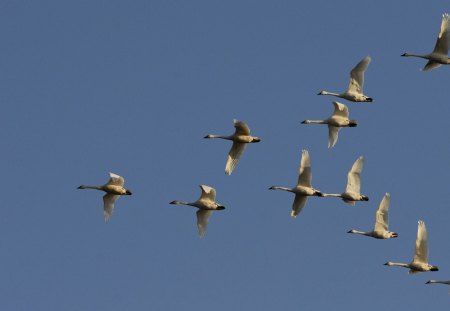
(399, 264)
(332, 195)
(90, 187)
(415, 55)
(180, 202)
(440, 282)
(218, 136)
(329, 93)
(315, 122)
(280, 188)
(360, 232)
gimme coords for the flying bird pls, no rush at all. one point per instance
(355, 91)
(353, 191)
(114, 189)
(303, 189)
(339, 119)
(240, 138)
(206, 204)
(380, 231)
(420, 260)
(439, 56)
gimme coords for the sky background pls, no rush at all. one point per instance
(131, 87)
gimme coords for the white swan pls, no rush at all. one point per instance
(352, 192)
(206, 204)
(338, 119)
(355, 91)
(437, 282)
(113, 188)
(303, 189)
(240, 138)
(439, 56)
(420, 260)
(380, 231)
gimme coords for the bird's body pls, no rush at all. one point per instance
(352, 192)
(206, 204)
(241, 137)
(420, 260)
(303, 189)
(339, 119)
(114, 189)
(380, 230)
(439, 56)
(354, 91)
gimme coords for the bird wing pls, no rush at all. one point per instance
(202, 221)
(233, 156)
(208, 193)
(421, 254)
(333, 133)
(382, 215)
(304, 173)
(354, 176)
(299, 203)
(108, 205)
(241, 128)
(340, 110)
(357, 76)
(116, 180)
(431, 65)
(442, 42)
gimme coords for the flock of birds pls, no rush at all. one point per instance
(241, 137)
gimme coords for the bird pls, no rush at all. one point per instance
(420, 260)
(303, 189)
(437, 282)
(439, 56)
(240, 138)
(206, 204)
(338, 119)
(114, 189)
(354, 91)
(380, 231)
(352, 192)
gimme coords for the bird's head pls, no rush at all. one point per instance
(352, 123)
(434, 268)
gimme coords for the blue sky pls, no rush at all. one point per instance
(88, 87)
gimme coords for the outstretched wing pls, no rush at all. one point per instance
(333, 134)
(299, 203)
(116, 180)
(431, 65)
(241, 128)
(340, 110)
(421, 254)
(354, 176)
(208, 193)
(108, 205)
(357, 76)
(442, 42)
(382, 215)
(202, 221)
(304, 173)
(233, 156)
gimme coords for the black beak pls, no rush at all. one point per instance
(369, 99)
(128, 192)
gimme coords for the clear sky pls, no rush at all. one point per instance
(131, 87)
